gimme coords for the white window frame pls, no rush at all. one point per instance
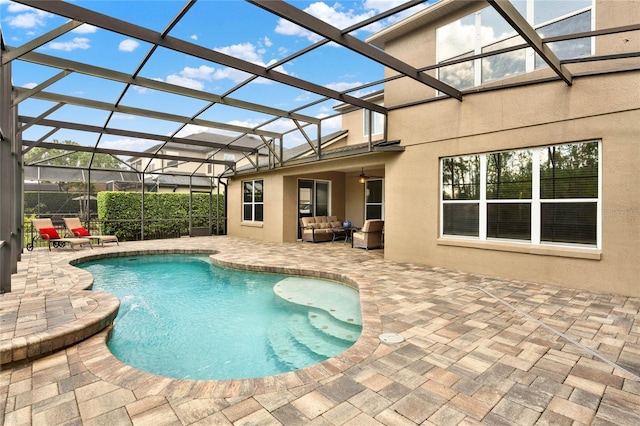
(378, 123)
(253, 203)
(536, 203)
(381, 204)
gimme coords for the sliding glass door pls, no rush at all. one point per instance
(313, 199)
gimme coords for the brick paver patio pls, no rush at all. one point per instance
(477, 350)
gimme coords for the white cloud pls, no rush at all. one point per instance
(29, 85)
(203, 72)
(16, 7)
(142, 90)
(185, 82)
(85, 29)
(341, 86)
(27, 17)
(26, 20)
(247, 52)
(332, 124)
(191, 77)
(128, 45)
(244, 51)
(333, 15)
(194, 37)
(232, 74)
(76, 43)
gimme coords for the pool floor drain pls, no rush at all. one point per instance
(391, 338)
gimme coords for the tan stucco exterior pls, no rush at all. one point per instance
(603, 107)
(496, 121)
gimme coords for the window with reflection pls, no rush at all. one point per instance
(461, 195)
(373, 122)
(548, 195)
(253, 201)
(486, 31)
(374, 199)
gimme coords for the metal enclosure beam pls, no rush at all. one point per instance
(526, 31)
(106, 22)
(106, 106)
(298, 17)
(94, 71)
(114, 152)
(131, 133)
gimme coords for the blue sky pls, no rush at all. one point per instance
(233, 27)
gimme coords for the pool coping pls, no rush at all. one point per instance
(91, 333)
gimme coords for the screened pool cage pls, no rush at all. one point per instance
(79, 188)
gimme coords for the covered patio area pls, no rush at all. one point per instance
(476, 349)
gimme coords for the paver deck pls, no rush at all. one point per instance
(476, 350)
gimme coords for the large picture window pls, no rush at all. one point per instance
(486, 31)
(253, 201)
(548, 195)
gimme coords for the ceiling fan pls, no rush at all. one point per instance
(363, 178)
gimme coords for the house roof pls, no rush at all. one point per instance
(248, 142)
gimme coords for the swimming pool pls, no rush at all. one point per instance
(183, 317)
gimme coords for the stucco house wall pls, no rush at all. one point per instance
(506, 120)
(604, 108)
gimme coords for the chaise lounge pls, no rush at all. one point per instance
(75, 227)
(49, 234)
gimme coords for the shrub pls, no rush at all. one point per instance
(165, 214)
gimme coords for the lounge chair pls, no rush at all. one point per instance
(74, 226)
(49, 234)
(370, 236)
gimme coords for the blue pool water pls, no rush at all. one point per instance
(183, 317)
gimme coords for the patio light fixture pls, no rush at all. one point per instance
(362, 178)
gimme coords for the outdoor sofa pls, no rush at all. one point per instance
(321, 228)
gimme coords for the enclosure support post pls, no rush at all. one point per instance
(7, 178)
(18, 169)
(211, 206)
(190, 207)
(142, 211)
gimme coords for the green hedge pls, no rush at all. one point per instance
(166, 214)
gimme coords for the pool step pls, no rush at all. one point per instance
(327, 324)
(288, 349)
(299, 343)
(313, 339)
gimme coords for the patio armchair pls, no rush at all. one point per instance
(369, 236)
(74, 226)
(49, 233)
